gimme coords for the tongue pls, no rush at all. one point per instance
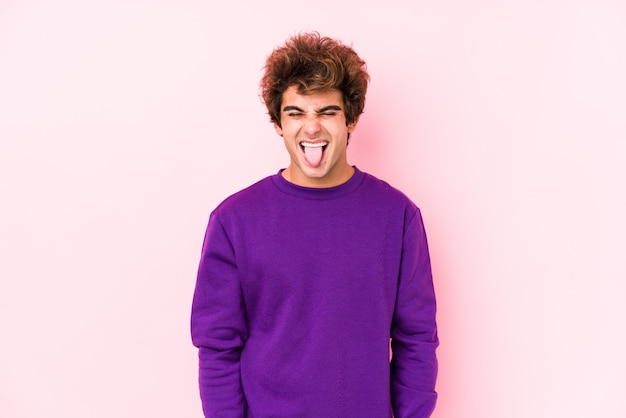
(313, 155)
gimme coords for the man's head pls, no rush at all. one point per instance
(314, 64)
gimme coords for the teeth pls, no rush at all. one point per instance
(315, 145)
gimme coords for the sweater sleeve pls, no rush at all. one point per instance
(414, 330)
(218, 326)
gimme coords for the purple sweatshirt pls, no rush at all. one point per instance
(299, 291)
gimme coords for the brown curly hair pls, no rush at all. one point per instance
(315, 63)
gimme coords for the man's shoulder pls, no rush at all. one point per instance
(385, 192)
(249, 195)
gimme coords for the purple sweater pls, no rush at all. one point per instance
(299, 291)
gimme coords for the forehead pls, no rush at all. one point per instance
(323, 98)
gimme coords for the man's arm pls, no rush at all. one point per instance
(414, 330)
(218, 326)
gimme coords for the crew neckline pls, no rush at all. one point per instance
(321, 193)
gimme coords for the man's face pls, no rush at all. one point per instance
(314, 129)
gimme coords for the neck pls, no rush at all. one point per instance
(300, 179)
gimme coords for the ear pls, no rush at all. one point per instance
(278, 129)
(352, 126)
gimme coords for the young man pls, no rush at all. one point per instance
(306, 275)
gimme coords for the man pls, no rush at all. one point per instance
(306, 275)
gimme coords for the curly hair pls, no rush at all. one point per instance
(314, 63)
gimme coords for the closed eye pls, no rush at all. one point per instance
(326, 112)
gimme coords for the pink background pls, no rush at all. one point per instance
(123, 123)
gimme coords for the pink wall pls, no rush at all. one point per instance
(123, 123)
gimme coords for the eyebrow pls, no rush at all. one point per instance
(322, 110)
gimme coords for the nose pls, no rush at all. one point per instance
(312, 126)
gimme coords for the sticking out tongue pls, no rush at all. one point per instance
(313, 155)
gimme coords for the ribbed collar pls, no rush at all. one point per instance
(319, 193)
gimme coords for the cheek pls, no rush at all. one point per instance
(340, 130)
(290, 129)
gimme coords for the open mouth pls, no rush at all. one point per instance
(304, 145)
(313, 152)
